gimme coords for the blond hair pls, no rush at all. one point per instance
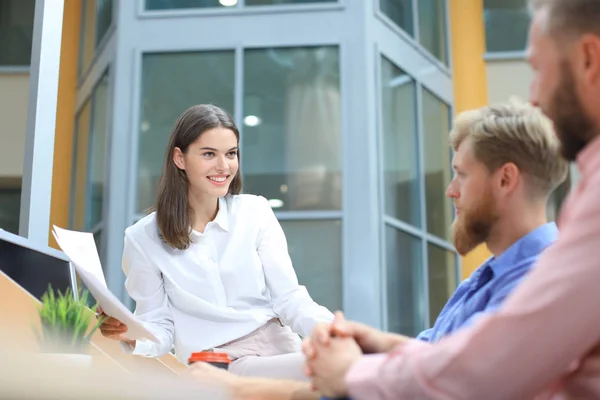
(567, 18)
(518, 133)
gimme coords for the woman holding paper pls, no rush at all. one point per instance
(209, 269)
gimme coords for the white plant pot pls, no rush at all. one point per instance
(80, 361)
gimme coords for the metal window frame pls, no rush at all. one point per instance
(414, 41)
(74, 156)
(443, 94)
(16, 69)
(239, 9)
(102, 62)
(517, 55)
(100, 47)
(423, 195)
(90, 99)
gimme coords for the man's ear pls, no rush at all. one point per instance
(178, 158)
(589, 58)
(509, 177)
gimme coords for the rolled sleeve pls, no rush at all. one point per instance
(374, 376)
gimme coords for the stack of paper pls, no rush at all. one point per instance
(81, 249)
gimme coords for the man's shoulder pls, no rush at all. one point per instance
(511, 277)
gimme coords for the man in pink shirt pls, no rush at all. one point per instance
(544, 342)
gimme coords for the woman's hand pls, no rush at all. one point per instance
(112, 328)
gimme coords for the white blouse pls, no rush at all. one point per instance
(232, 279)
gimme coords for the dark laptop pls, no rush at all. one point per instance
(34, 267)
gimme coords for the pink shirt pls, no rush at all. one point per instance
(544, 343)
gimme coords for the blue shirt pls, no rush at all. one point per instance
(487, 288)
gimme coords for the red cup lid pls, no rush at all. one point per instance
(209, 357)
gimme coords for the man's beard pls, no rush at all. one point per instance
(574, 128)
(473, 226)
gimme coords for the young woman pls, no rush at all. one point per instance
(209, 269)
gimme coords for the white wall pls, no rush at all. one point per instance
(507, 79)
(14, 91)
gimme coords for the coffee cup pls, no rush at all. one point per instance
(219, 360)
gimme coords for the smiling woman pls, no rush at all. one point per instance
(210, 269)
(201, 165)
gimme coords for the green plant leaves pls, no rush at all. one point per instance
(65, 322)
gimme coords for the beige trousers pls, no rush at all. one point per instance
(271, 351)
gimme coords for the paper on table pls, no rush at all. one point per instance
(84, 256)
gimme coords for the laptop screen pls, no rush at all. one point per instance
(32, 268)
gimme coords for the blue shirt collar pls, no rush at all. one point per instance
(530, 245)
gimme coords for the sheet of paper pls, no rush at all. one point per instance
(80, 247)
(84, 257)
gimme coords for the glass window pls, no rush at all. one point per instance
(10, 204)
(104, 11)
(171, 83)
(506, 25)
(177, 4)
(291, 149)
(98, 152)
(400, 12)
(96, 19)
(80, 169)
(442, 278)
(400, 169)
(436, 126)
(90, 159)
(88, 34)
(432, 27)
(404, 262)
(315, 247)
(16, 32)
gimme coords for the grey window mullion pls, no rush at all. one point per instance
(423, 209)
(238, 96)
(380, 189)
(416, 24)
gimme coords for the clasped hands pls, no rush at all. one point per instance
(334, 348)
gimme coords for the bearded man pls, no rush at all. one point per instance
(506, 164)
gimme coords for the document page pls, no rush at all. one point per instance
(81, 250)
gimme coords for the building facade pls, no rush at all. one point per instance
(344, 107)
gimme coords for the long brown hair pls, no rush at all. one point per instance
(173, 212)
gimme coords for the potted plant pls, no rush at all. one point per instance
(65, 327)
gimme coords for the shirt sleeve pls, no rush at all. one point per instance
(426, 335)
(429, 335)
(291, 301)
(145, 286)
(544, 327)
